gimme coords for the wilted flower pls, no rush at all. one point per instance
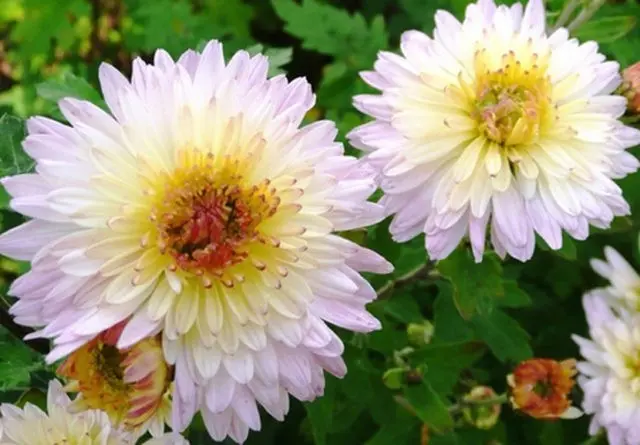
(494, 123)
(624, 288)
(131, 385)
(201, 210)
(630, 87)
(610, 374)
(62, 425)
(481, 416)
(540, 388)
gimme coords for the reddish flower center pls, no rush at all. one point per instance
(208, 216)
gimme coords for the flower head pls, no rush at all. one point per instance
(630, 87)
(131, 385)
(198, 208)
(624, 288)
(62, 425)
(610, 372)
(540, 388)
(494, 123)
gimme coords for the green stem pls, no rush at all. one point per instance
(387, 290)
(567, 11)
(585, 14)
(497, 400)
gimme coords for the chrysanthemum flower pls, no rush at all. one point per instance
(610, 374)
(624, 288)
(61, 425)
(201, 209)
(132, 385)
(494, 122)
(540, 388)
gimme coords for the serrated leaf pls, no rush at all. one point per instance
(17, 361)
(475, 285)
(278, 58)
(13, 159)
(429, 406)
(175, 25)
(333, 31)
(504, 336)
(69, 85)
(607, 29)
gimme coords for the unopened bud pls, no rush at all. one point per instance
(420, 334)
(482, 416)
(394, 378)
(630, 87)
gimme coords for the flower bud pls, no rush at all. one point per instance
(630, 87)
(420, 334)
(540, 388)
(481, 416)
(394, 378)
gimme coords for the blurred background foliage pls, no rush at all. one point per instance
(487, 317)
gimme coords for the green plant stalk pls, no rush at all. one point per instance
(415, 274)
(567, 11)
(498, 400)
(585, 14)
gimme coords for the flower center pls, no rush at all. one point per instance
(208, 215)
(108, 363)
(129, 385)
(511, 102)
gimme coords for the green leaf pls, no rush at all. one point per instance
(450, 326)
(429, 406)
(513, 296)
(443, 362)
(404, 308)
(13, 159)
(397, 431)
(333, 31)
(607, 29)
(278, 58)
(175, 25)
(17, 361)
(504, 335)
(475, 286)
(69, 85)
(48, 23)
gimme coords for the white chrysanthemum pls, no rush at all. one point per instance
(610, 376)
(493, 121)
(624, 290)
(201, 210)
(60, 425)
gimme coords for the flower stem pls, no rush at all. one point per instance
(419, 272)
(497, 400)
(585, 14)
(567, 11)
